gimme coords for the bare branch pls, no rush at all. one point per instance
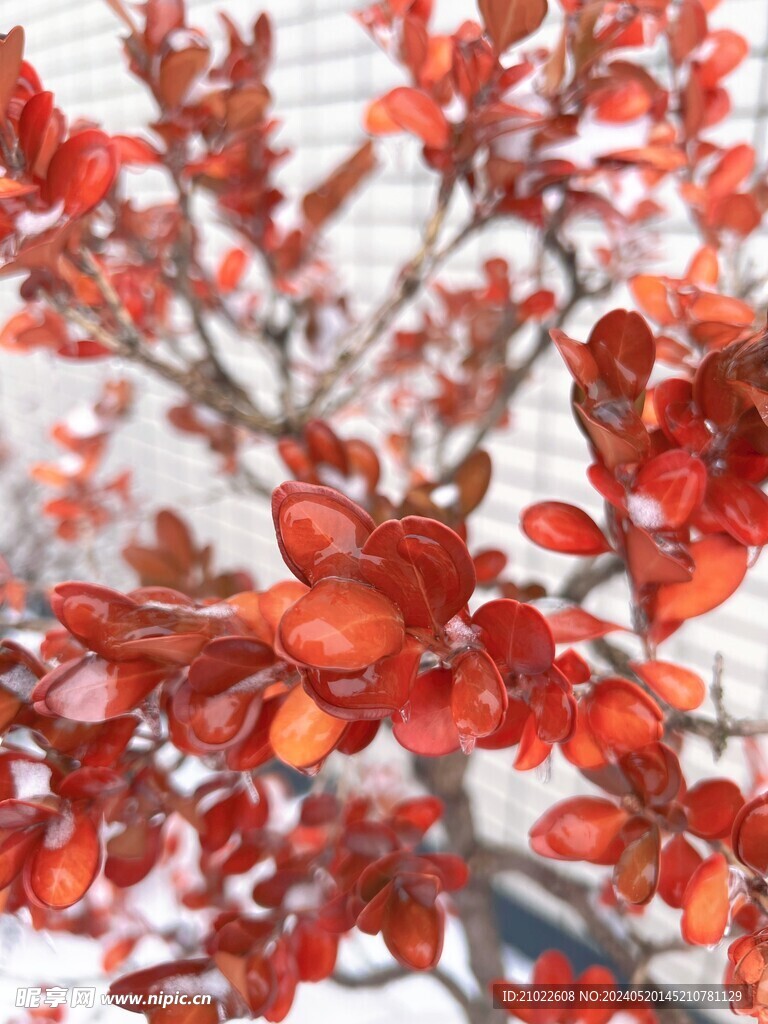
(416, 271)
(589, 576)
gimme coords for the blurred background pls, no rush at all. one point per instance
(326, 70)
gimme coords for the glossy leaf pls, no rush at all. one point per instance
(64, 865)
(573, 624)
(706, 906)
(623, 717)
(341, 626)
(301, 734)
(740, 508)
(636, 874)
(557, 526)
(426, 724)
(479, 696)
(11, 54)
(720, 566)
(712, 807)
(81, 172)
(91, 689)
(226, 661)
(678, 686)
(679, 860)
(516, 634)
(412, 927)
(750, 834)
(320, 532)
(378, 691)
(580, 828)
(622, 346)
(421, 565)
(667, 490)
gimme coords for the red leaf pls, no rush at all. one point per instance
(341, 626)
(688, 30)
(413, 111)
(64, 865)
(652, 296)
(322, 202)
(178, 71)
(132, 853)
(378, 691)
(489, 565)
(578, 358)
(276, 601)
(636, 874)
(320, 532)
(479, 696)
(90, 689)
(740, 508)
(16, 814)
(728, 51)
(623, 717)
(680, 687)
(81, 172)
(134, 151)
(712, 807)
(557, 526)
(427, 727)
(11, 55)
(231, 270)
(15, 850)
(667, 490)
(720, 566)
(622, 102)
(301, 734)
(705, 904)
(731, 170)
(623, 348)
(217, 720)
(750, 834)
(679, 860)
(516, 634)
(119, 628)
(581, 828)
(412, 927)
(226, 661)
(571, 625)
(421, 565)
(507, 21)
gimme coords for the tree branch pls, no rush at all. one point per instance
(358, 340)
(588, 577)
(445, 777)
(223, 396)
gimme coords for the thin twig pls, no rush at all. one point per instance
(359, 339)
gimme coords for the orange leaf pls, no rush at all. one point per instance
(720, 565)
(301, 733)
(412, 111)
(705, 905)
(683, 689)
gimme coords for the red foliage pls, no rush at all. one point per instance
(386, 627)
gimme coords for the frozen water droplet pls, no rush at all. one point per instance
(544, 770)
(405, 712)
(250, 787)
(467, 742)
